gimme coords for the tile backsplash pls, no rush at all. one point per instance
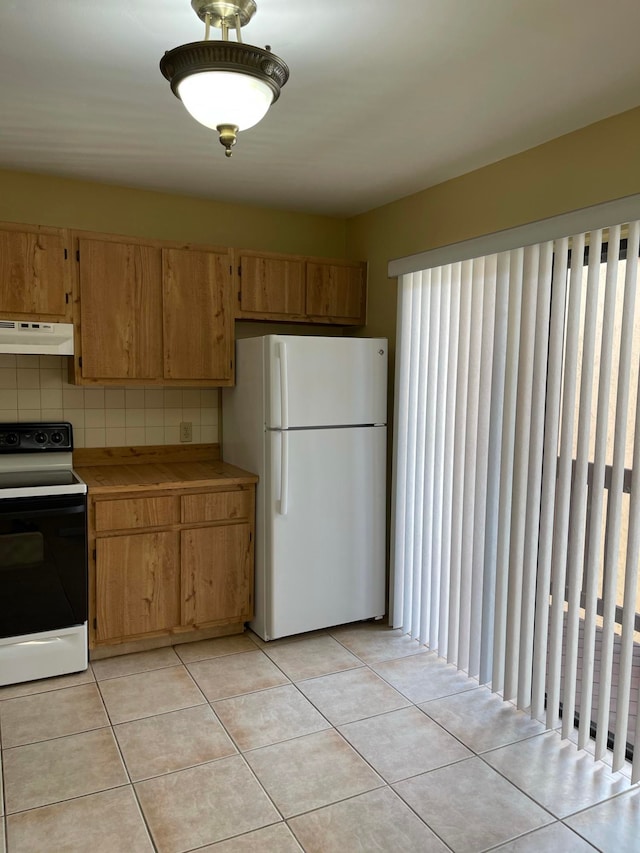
(35, 388)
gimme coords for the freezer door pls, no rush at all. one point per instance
(325, 559)
(319, 381)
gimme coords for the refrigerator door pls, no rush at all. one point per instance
(325, 528)
(315, 382)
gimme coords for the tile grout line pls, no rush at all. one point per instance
(386, 784)
(110, 726)
(332, 727)
(126, 769)
(474, 754)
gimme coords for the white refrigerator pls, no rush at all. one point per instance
(308, 416)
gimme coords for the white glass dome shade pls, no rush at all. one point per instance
(216, 98)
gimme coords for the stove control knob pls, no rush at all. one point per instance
(57, 437)
(40, 438)
(11, 438)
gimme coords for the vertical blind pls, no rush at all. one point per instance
(516, 516)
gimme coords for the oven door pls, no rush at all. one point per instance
(43, 564)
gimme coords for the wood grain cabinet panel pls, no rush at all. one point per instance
(302, 290)
(35, 281)
(272, 286)
(152, 313)
(120, 310)
(217, 574)
(217, 506)
(197, 315)
(336, 292)
(137, 584)
(136, 512)
(197, 572)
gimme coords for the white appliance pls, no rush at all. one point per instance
(43, 554)
(308, 415)
(25, 336)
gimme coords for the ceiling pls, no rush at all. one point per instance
(384, 99)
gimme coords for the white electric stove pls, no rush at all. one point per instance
(43, 554)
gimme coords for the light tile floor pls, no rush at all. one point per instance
(353, 739)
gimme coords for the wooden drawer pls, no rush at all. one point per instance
(130, 513)
(217, 506)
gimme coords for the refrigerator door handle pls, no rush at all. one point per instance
(284, 473)
(284, 386)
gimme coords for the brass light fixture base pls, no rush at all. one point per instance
(223, 13)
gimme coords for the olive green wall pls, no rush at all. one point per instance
(45, 200)
(595, 164)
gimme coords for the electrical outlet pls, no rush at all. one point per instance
(186, 431)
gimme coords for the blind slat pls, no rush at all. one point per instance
(534, 476)
(401, 455)
(628, 606)
(520, 467)
(549, 469)
(470, 463)
(450, 422)
(482, 452)
(578, 514)
(426, 461)
(592, 569)
(501, 309)
(444, 286)
(563, 499)
(506, 470)
(462, 376)
(614, 504)
(418, 415)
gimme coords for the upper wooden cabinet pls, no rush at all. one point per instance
(336, 293)
(157, 312)
(273, 286)
(152, 313)
(35, 279)
(197, 315)
(298, 289)
(120, 310)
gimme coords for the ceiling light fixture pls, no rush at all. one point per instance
(225, 85)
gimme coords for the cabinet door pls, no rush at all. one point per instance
(336, 293)
(120, 310)
(198, 315)
(34, 273)
(271, 287)
(137, 584)
(217, 574)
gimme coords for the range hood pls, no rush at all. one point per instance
(24, 337)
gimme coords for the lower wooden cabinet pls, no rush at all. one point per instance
(137, 584)
(217, 572)
(168, 563)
